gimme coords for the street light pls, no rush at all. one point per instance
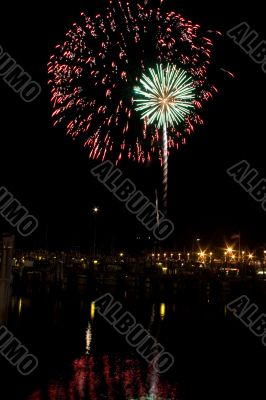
(95, 211)
(195, 246)
(264, 262)
(225, 256)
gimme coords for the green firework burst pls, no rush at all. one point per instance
(165, 96)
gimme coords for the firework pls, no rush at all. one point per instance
(93, 73)
(166, 97)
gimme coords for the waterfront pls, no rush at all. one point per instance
(164, 93)
(82, 357)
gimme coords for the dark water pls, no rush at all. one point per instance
(82, 357)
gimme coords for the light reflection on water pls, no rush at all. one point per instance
(88, 339)
(82, 358)
(162, 311)
(109, 377)
(92, 310)
(19, 306)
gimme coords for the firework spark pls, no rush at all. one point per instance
(93, 73)
(165, 97)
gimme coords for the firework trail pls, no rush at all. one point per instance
(93, 73)
(165, 168)
(165, 98)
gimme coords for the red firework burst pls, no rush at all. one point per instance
(93, 73)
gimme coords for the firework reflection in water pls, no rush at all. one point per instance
(93, 378)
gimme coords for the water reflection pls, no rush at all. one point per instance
(152, 318)
(225, 310)
(162, 311)
(92, 310)
(82, 358)
(88, 339)
(19, 306)
(109, 377)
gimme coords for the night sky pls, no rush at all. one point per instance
(50, 173)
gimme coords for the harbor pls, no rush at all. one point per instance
(51, 306)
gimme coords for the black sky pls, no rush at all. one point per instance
(49, 173)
